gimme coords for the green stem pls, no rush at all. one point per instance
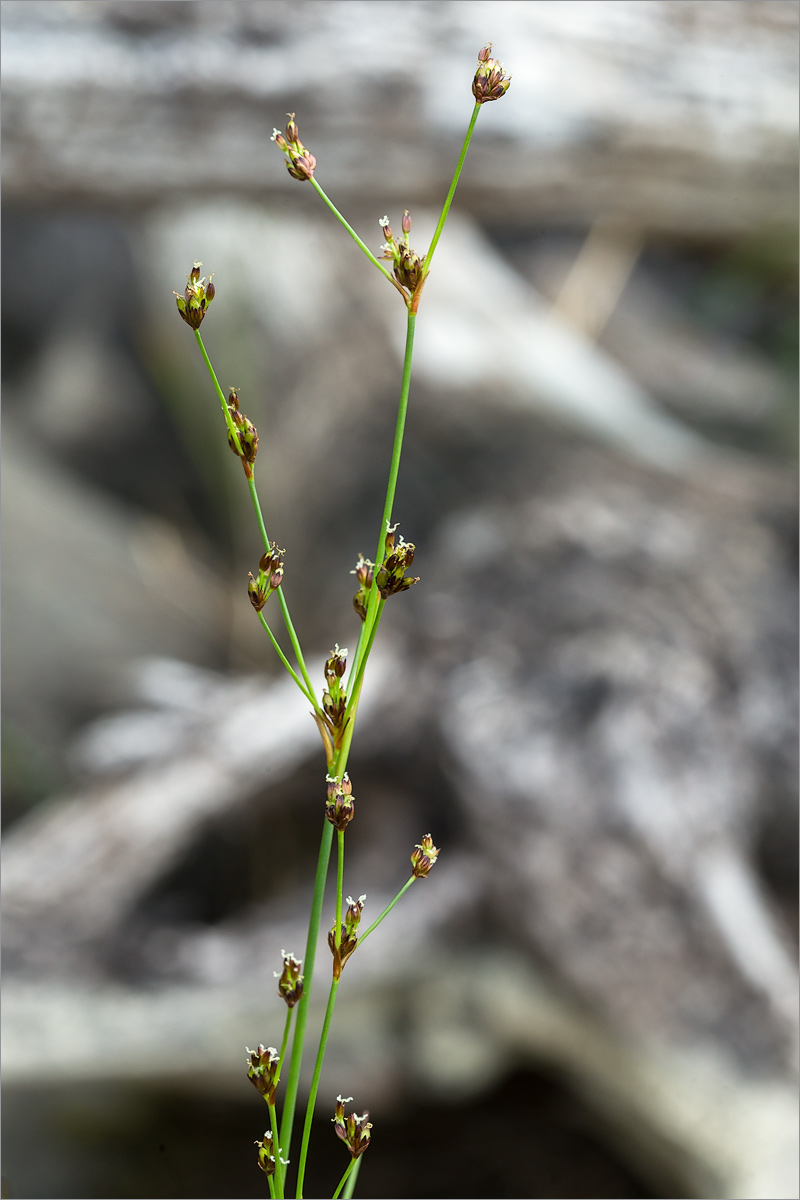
(293, 1081)
(426, 266)
(280, 1170)
(271, 1183)
(273, 1117)
(352, 705)
(344, 1179)
(287, 620)
(232, 430)
(308, 695)
(257, 506)
(361, 245)
(337, 935)
(391, 487)
(312, 1097)
(347, 1194)
(387, 910)
(285, 1042)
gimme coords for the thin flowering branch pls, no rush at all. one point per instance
(423, 858)
(335, 713)
(490, 83)
(350, 1186)
(301, 165)
(229, 407)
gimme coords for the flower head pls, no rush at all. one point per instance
(290, 981)
(353, 1130)
(197, 295)
(263, 1067)
(491, 81)
(300, 163)
(424, 857)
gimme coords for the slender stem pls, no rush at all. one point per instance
(293, 1081)
(273, 1117)
(312, 1098)
(344, 1179)
(347, 1194)
(280, 1170)
(352, 704)
(308, 695)
(387, 910)
(426, 266)
(337, 934)
(285, 1042)
(361, 245)
(391, 485)
(287, 620)
(257, 506)
(271, 1182)
(232, 430)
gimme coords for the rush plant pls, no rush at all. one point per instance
(335, 706)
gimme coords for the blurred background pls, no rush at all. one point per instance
(590, 698)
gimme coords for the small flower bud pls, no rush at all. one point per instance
(197, 296)
(300, 163)
(352, 916)
(408, 268)
(353, 1130)
(266, 1154)
(290, 981)
(484, 54)
(248, 438)
(233, 399)
(336, 665)
(340, 807)
(406, 222)
(257, 592)
(348, 935)
(363, 572)
(302, 166)
(391, 578)
(276, 579)
(424, 857)
(262, 1070)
